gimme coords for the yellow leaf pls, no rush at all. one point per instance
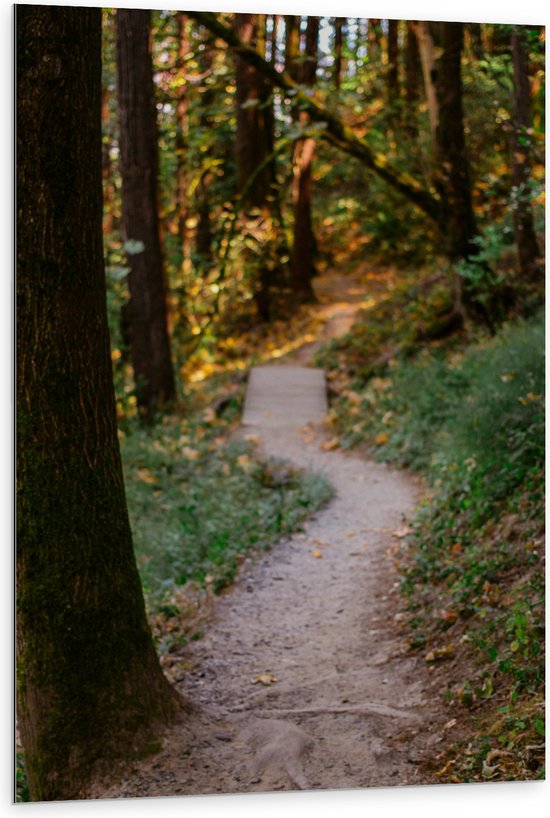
(264, 679)
(329, 445)
(244, 461)
(316, 553)
(146, 476)
(381, 439)
(401, 532)
(438, 654)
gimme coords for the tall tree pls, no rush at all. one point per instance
(426, 49)
(339, 24)
(524, 229)
(392, 77)
(452, 173)
(412, 80)
(147, 312)
(303, 245)
(90, 688)
(254, 145)
(182, 128)
(254, 140)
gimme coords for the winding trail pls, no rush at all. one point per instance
(301, 679)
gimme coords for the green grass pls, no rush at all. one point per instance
(199, 501)
(471, 419)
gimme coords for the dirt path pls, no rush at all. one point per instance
(300, 680)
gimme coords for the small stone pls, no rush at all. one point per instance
(223, 737)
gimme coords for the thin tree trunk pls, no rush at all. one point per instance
(253, 140)
(526, 241)
(149, 342)
(303, 244)
(339, 25)
(90, 688)
(392, 77)
(374, 38)
(452, 178)
(427, 59)
(254, 144)
(182, 132)
(412, 81)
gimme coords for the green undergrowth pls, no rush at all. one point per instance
(468, 415)
(199, 500)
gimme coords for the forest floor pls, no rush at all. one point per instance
(302, 678)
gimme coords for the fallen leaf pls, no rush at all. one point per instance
(438, 654)
(316, 553)
(146, 476)
(209, 416)
(351, 533)
(381, 439)
(244, 462)
(401, 532)
(264, 679)
(330, 445)
(450, 724)
(256, 440)
(449, 616)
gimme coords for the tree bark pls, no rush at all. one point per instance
(254, 146)
(182, 132)
(526, 241)
(339, 25)
(303, 244)
(149, 341)
(427, 59)
(90, 688)
(412, 81)
(392, 77)
(374, 38)
(452, 171)
(254, 141)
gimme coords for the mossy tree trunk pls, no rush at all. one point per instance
(147, 313)
(90, 688)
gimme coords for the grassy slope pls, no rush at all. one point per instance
(469, 415)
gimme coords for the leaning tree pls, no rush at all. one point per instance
(89, 685)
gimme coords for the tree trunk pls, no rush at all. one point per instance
(303, 244)
(254, 145)
(339, 24)
(90, 688)
(526, 241)
(452, 171)
(149, 342)
(374, 37)
(392, 76)
(412, 81)
(452, 174)
(182, 132)
(427, 59)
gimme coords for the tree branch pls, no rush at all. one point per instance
(336, 131)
